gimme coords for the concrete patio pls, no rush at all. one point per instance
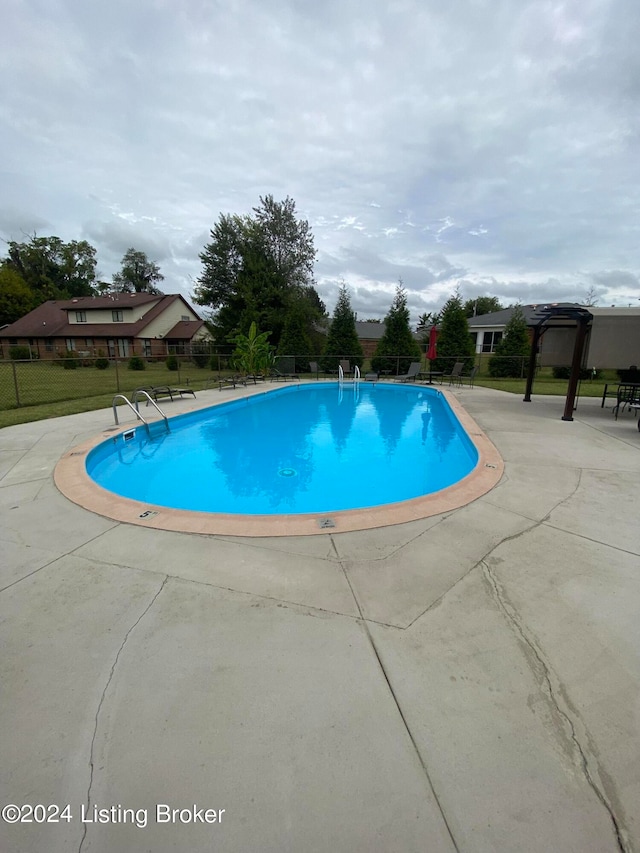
(467, 682)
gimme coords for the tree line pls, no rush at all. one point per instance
(43, 268)
(257, 274)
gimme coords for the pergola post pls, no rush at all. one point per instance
(533, 355)
(576, 364)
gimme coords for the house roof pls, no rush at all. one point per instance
(114, 300)
(501, 318)
(370, 331)
(532, 314)
(185, 329)
(50, 320)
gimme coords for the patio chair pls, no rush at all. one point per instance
(414, 370)
(627, 396)
(472, 376)
(232, 381)
(313, 367)
(276, 376)
(455, 377)
(345, 364)
(157, 392)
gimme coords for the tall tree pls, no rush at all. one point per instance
(454, 340)
(512, 352)
(342, 340)
(256, 267)
(591, 299)
(52, 268)
(16, 297)
(397, 339)
(137, 274)
(481, 305)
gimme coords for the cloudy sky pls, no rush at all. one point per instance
(487, 144)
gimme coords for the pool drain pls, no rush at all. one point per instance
(287, 472)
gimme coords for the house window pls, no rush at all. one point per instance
(117, 316)
(185, 318)
(146, 348)
(48, 346)
(490, 341)
(70, 344)
(123, 347)
(81, 316)
(88, 342)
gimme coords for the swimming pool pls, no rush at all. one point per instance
(309, 448)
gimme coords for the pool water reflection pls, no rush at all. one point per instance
(312, 448)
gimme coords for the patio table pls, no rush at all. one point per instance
(430, 374)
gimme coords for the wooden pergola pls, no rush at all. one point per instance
(560, 316)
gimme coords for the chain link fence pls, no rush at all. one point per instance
(33, 382)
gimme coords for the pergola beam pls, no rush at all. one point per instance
(582, 319)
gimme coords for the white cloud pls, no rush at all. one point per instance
(503, 141)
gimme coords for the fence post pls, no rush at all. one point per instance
(15, 383)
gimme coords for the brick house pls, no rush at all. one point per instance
(119, 325)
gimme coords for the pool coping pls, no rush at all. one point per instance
(72, 480)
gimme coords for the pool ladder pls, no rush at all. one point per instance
(356, 382)
(356, 374)
(134, 408)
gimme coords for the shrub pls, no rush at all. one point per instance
(70, 360)
(136, 363)
(200, 355)
(629, 374)
(512, 353)
(102, 363)
(19, 353)
(564, 372)
(172, 362)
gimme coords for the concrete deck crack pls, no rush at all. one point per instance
(510, 538)
(552, 694)
(396, 701)
(30, 574)
(590, 539)
(102, 698)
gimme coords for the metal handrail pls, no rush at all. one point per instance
(133, 409)
(150, 399)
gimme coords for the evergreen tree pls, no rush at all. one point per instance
(512, 352)
(342, 340)
(454, 340)
(398, 339)
(295, 340)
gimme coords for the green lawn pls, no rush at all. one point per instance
(46, 390)
(37, 390)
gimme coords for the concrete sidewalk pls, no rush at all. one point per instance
(467, 682)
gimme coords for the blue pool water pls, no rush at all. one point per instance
(309, 448)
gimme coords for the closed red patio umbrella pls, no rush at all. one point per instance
(432, 352)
